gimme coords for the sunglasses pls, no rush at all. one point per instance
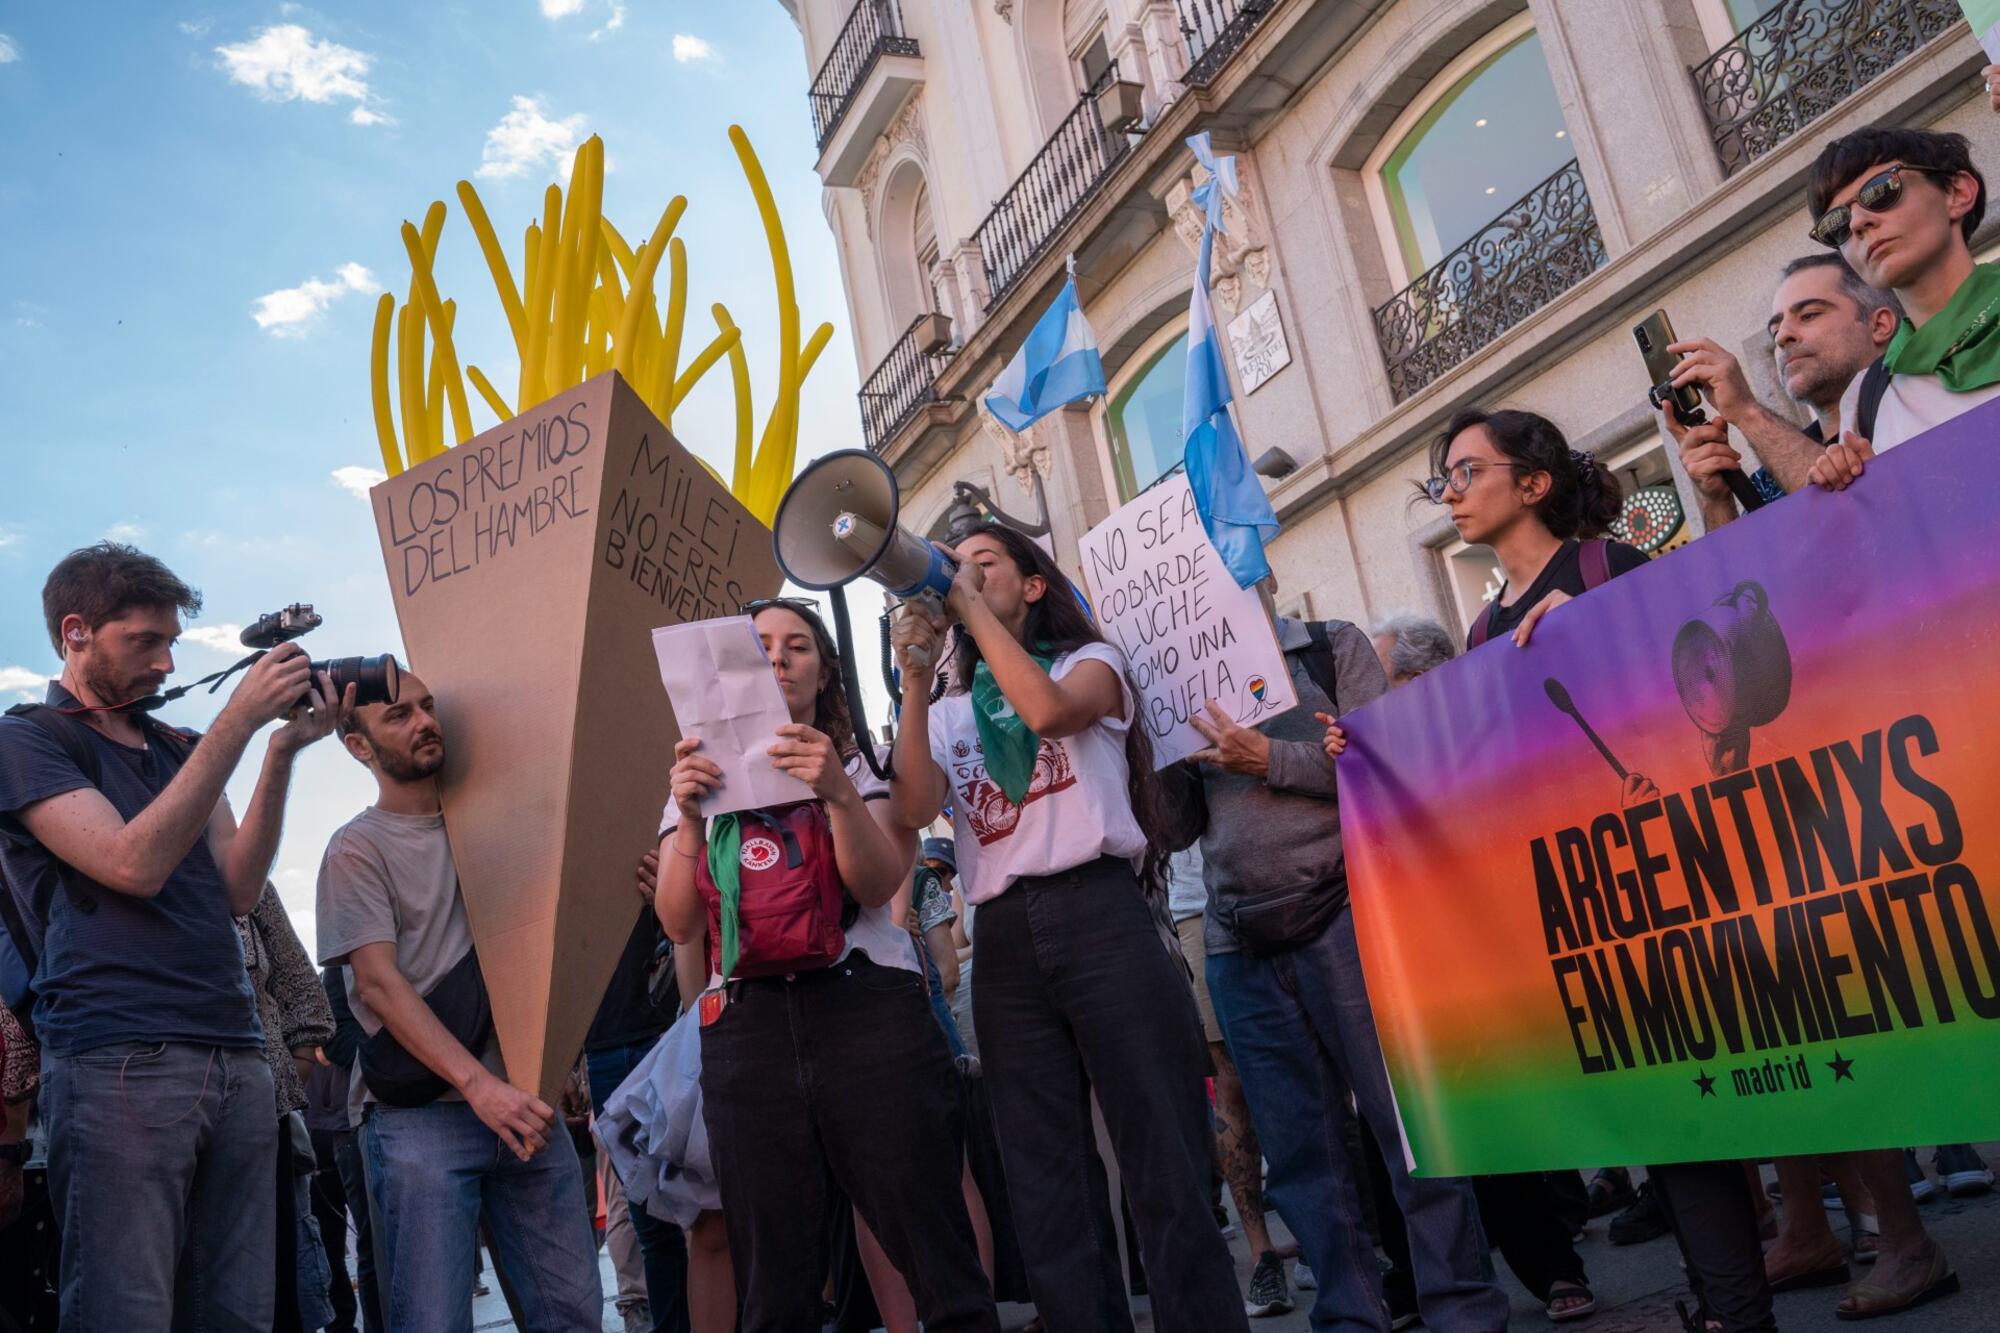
(1458, 477)
(752, 607)
(1878, 194)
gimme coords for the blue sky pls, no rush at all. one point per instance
(197, 202)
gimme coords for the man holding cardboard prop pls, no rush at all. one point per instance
(115, 836)
(1285, 979)
(438, 1108)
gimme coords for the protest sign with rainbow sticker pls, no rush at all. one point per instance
(1711, 868)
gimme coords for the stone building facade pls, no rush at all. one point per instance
(1444, 202)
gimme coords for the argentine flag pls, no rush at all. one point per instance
(1057, 364)
(1227, 494)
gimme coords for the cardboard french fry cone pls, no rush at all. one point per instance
(529, 567)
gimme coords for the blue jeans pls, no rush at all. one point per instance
(156, 1147)
(433, 1170)
(662, 1248)
(1300, 1029)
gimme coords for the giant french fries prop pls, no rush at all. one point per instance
(530, 562)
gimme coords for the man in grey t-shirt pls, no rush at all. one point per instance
(391, 913)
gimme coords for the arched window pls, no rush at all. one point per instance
(1142, 412)
(908, 245)
(1484, 134)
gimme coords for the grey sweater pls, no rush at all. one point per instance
(1282, 831)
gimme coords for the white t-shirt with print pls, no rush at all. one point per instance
(876, 929)
(1911, 405)
(1077, 807)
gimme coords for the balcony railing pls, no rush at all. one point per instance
(1215, 30)
(874, 29)
(1045, 197)
(905, 381)
(1799, 59)
(1543, 245)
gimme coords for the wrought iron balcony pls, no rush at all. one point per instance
(1215, 30)
(1048, 194)
(1799, 59)
(873, 30)
(1544, 244)
(905, 381)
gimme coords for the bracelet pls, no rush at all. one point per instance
(689, 855)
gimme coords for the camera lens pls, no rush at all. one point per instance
(377, 680)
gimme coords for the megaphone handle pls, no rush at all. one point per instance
(843, 632)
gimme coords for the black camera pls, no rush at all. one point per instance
(377, 680)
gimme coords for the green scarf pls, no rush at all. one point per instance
(1010, 747)
(725, 845)
(1961, 343)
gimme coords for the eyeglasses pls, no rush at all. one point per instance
(1878, 194)
(1458, 477)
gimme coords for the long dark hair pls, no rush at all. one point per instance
(830, 713)
(1583, 497)
(1058, 624)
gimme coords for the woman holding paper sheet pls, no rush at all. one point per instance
(798, 1066)
(1060, 835)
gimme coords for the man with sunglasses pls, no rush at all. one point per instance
(1901, 206)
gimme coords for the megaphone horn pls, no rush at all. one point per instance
(838, 523)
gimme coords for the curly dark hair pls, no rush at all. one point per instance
(1059, 623)
(1583, 496)
(830, 713)
(103, 581)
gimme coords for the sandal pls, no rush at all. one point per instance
(1866, 1234)
(1582, 1309)
(1867, 1300)
(1831, 1276)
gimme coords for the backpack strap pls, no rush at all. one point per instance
(1482, 626)
(1317, 658)
(1874, 387)
(67, 732)
(1594, 557)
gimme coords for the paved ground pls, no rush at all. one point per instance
(1636, 1285)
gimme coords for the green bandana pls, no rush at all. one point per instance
(725, 845)
(1010, 747)
(1961, 343)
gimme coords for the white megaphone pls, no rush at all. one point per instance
(837, 523)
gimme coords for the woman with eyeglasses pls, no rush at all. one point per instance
(836, 1069)
(1061, 835)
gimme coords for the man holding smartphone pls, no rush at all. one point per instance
(1826, 325)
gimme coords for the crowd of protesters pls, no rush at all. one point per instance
(825, 1110)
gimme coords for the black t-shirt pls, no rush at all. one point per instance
(1563, 573)
(627, 1015)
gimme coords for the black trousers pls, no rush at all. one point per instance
(1076, 991)
(842, 1070)
(347, 1154)
(1715, 1221)
(329, 1204)
(1523, 1219)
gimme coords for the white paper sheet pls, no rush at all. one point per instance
(723, 693)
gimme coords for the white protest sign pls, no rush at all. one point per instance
(1189, 634)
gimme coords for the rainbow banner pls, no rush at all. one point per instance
(1790, 945)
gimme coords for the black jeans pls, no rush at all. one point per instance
(842, 1070)
(1523, 1219)
(1077, 992)
(329, 1204)
(1715, 1221)
(347, 1155)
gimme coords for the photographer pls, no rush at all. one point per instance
(113, 832)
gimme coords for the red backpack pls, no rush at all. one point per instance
(1594, 561)
(790, 911)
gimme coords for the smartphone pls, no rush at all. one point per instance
(1654, 335)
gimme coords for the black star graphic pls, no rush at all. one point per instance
(1842, 1069)
(1706, 1082)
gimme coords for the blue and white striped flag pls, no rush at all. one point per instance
(1227, 494)
(1058, 364)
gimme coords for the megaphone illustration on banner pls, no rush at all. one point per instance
(838, 522)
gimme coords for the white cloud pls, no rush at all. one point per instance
(612, 24)
(285, 63)
(688, 47)
(291, 312)
(9, 50)
(560, 9)
(221, 638)
(356, 480)
(125, 532)
(526, 137)
(195, 27)
(23, 682)
(9, 537)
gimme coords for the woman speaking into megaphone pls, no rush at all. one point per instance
(1062, 835)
